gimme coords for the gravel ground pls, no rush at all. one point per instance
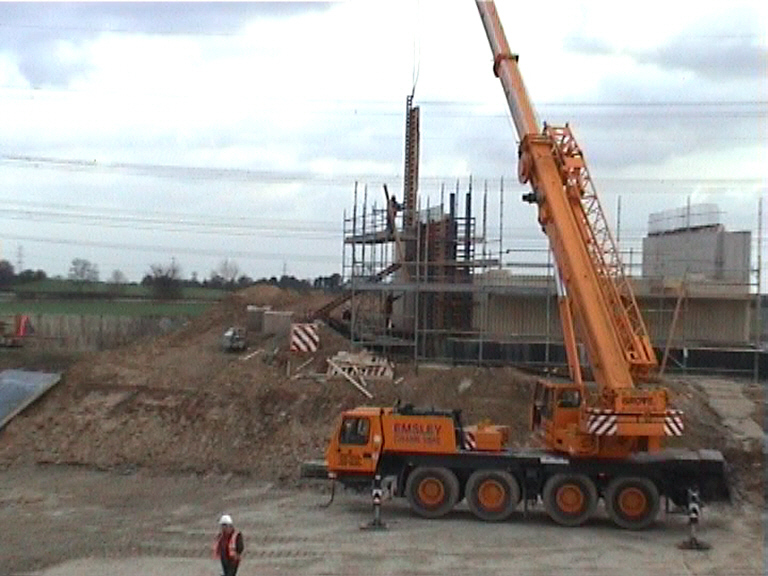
(172, 422)
(68, 521)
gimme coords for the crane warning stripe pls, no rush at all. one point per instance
(673, 423)
(603, 423)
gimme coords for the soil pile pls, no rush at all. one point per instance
(179, 403)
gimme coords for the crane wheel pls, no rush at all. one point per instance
(569, 499)
(432, 492)
(632, 503)
(492, 495)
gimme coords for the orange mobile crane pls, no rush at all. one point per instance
(603, 441)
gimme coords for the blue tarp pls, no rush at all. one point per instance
(19, 388)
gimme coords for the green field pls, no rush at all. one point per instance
(52, 286)
(104, 307)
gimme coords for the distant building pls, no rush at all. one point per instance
(692, 242)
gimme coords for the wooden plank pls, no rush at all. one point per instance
(352, 380)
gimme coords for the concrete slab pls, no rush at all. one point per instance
(735, 409)
(19, 388)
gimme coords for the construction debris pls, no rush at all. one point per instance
(298, 373)
(362, 364)
(19, 389)
(252, 354)
(14, 329)
(336, 369)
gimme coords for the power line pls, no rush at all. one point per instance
(393, 108)
(279, 256)
(161, 216)
(288, 176)
(20, 209)
(137, 32)
(218, 229)
(239, 34)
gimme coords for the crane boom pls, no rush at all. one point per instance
(604, 305)
(505, 67)
(595, 297)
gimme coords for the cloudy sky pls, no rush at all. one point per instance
(133, 134)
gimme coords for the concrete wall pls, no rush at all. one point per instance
(510, 318)
(704, 321)
(277, 323)
(710, 252)
(710, 321)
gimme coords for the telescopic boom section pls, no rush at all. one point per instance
(505, 67)
(603, 304)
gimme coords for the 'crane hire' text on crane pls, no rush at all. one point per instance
(417, 433)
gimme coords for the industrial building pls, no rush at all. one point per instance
(692, 242)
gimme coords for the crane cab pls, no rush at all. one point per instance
(556, 414)
(356, 443)
(554, 402)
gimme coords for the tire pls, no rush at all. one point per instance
(432, 492)
(492, 495)
(632, 503)
(570, 499)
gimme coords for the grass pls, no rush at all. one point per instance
(104, 308)
(53, 286)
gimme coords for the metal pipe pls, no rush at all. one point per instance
(417, 294)
(501, 219)
(352, 302)
(365, 217)
(758, 305)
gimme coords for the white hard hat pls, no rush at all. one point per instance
(226, 519)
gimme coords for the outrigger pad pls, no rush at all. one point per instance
(694, 544)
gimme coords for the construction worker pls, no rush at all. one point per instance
(229, 546)
(392, 210)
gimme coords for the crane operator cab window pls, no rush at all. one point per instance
(541, 404)
(546, 402)
(355, 431)
(569, 399)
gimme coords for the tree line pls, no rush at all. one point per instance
(166, 281)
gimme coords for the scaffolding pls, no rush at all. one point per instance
(427, 282)
(411, 275)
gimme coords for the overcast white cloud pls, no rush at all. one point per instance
(136, 133)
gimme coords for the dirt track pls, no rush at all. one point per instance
(81, 522)
(184, 432)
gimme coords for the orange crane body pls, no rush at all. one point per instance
(596, 300)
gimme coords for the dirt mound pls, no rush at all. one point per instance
(707, 426)
(177, 402)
